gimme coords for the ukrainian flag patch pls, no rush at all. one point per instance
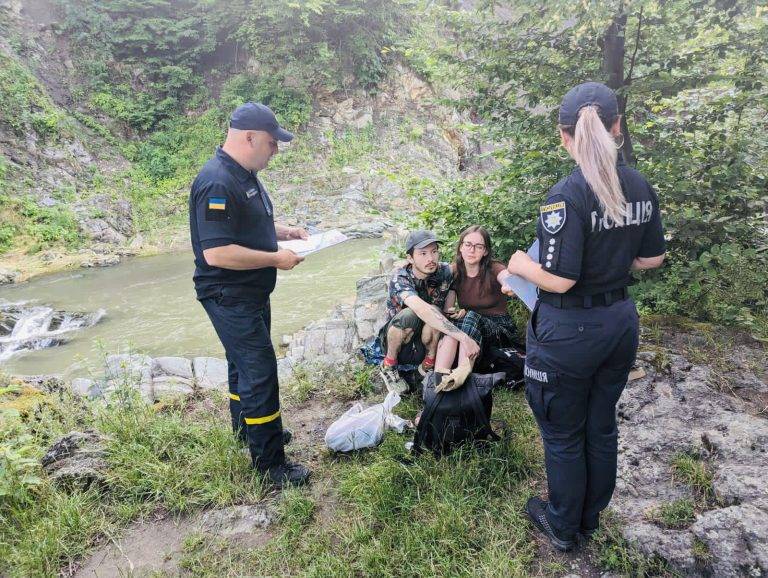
(217, 203)
(216, 209)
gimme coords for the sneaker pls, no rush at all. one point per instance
(423, 371)
(289, 474)
(392, 380)
(536, 509)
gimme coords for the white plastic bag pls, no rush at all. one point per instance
(359, 428)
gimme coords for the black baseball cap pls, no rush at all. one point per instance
(588, 93)
(257, 116)
(419, 240)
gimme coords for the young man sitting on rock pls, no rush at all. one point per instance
(419, 293)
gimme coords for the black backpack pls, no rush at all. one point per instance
(451, 418)
(510, 360)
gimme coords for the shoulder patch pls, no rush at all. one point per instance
(216, 209)
(553, 217)
(217, 203)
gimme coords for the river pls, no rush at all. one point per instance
(149, 307)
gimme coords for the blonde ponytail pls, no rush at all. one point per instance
(595, 152)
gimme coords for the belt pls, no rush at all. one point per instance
(563, 301)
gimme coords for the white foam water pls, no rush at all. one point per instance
(33, 327)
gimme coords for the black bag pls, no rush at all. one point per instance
(453, 417)
(510, 360)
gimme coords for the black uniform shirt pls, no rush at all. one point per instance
(229, 205)
(577, 242)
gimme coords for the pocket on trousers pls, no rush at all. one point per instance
(540, 390)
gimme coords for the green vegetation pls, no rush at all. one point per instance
(692, 470)
(615, 554)
(24, 103)
(677, 514)
(178, 458)
(394, 515)
(690, 125)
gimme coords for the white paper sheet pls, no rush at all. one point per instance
(524, 289)
(316, 242)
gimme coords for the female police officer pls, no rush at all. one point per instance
(596, 225)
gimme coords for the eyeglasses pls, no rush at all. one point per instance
(473, 246)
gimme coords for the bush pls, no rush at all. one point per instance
(291, 106)
(50, 226)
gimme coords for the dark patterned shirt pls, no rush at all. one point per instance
(434, 289)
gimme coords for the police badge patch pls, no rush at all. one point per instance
(553, 217)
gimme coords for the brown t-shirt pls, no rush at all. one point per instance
(492, 302)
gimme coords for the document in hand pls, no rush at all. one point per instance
(523, 288)
(315, 242)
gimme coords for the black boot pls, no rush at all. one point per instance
(289, 474)
(536, 509)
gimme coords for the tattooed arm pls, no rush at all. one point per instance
(432, 316)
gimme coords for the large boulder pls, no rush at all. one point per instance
(370, 311)
(671, 411)
(328, 341)
(737, 539)
(129, 370)
(8, 276)
(77, 460)
(210, 373)
(172, 366)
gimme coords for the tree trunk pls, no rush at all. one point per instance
(613, 66)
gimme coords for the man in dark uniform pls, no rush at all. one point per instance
(234, 238)
(583, 333)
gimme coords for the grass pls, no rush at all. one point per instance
(692, 470)
(674, 515)
(179, 459)
(380, 512)
(615, 554)
(396, 516)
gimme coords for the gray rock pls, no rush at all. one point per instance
(86, 388)
(370, 312)
(178, 366)
(77, 460)
(8, 277)
(741, 483)
(370, 230)
(284, 369)
(327, 341)
(100, 261)
(166, 387)
(236, 520)
(129, 370)
(674, 546)
(737, 538)
(210, 373)
(673, 411)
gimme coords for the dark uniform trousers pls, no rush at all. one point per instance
(243, 326)
(577, 365)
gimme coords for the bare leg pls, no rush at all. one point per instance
(396, 337)
(464, 358)
(430, 338)
(446, 354)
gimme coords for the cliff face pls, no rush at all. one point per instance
(51, 163)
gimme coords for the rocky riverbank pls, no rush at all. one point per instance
(693, 431)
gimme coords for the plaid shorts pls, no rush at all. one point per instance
(487, 330)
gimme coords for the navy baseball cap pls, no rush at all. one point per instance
(588, 93)
(257, 116)
(419, 240)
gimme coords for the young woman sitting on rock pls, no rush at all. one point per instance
(483, 314)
